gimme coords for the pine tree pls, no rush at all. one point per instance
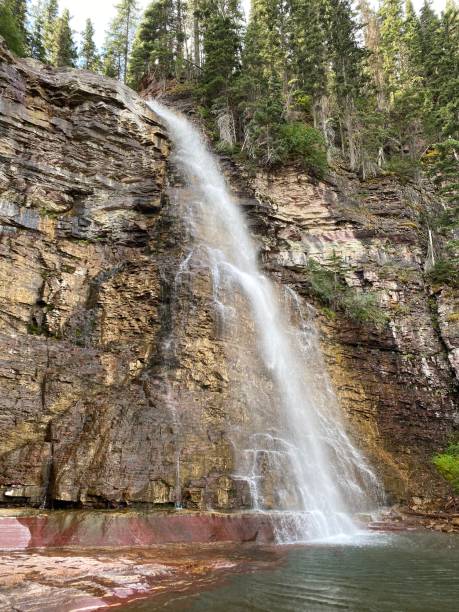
(374, 67)
(37, 45)
(89, 57)
(50, 16)
(391, 17)
(19, 9)
(260, 85)
(64, 51)
(221, 41)
(447, 111)
(347, 60)
(155, 47)
(120, 37)
(310, 57)
(10, 28)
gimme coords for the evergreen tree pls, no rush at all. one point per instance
(50, 16)
(444, 81)
(37, 45)
(120, 37)
(19, 9)
(89, 57)
(391, 17)
(222, 39)
(155, 47)
(347, 60)
(64, 52)
(10, 28)
(310, 57)
(261, 85)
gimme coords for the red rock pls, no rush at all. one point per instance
(129, 529)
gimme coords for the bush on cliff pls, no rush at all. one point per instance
(445, 272)
(447, 464)
(329, 286)
(303, 143)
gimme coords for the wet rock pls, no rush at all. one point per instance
(116, 388)
(397, 382)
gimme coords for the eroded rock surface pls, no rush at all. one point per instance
(115, 386)
(397, 381)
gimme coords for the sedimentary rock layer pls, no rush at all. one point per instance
(115, 389)
(397, 381)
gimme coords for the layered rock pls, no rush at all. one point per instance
(81, 187)
(116, 388)
(397, 381)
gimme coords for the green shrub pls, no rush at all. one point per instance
(363, 307)
(440, 164)
(404, 167)
(303, 143)
(323, 283)
(445, 272)
(447, 464)
(328, 285)
(225, 148)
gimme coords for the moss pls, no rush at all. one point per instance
(34, 329)
(329, 286)
(447, 464)
(50, 214)
(328, 312)
(445, 272)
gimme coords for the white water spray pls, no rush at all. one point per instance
(291, 447)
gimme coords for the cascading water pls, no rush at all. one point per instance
(290, 444)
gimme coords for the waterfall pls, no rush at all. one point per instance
(290, 443)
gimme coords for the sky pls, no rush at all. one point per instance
(102, 11)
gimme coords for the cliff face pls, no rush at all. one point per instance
(81, 182)
(115, 387)
(397, 381)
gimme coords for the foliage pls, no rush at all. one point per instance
(441, 162)
(447, 464)
(154, 50)
(404, 167)
(50, 14)
(63, 52)
(445, 272)
(119, 39)
(89, 58)
(37, 43)
(328, 285)
(221, 43)
(10, 28)
(305, 144)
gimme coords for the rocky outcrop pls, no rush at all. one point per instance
(115, 386)
(82, 578)
(81, 186)
(397, 381)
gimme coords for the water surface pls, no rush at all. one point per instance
(411, 572)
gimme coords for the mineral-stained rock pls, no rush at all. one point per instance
(113, 380)
(115, 385)
(398, 382)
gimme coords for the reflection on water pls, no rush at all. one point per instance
(412, 572)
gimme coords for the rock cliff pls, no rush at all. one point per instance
(397, 381)
(115, 388)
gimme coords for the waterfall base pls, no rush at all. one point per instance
(129, 528)
(20, 530)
